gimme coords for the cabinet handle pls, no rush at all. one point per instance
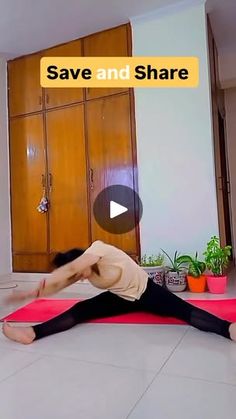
(50, 181)
(43, 182)
(47, 98)
(91, 179)
(40, 100)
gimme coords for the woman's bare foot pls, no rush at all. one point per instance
(232, 331)
(23, 335)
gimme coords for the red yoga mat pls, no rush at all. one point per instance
(45, 309)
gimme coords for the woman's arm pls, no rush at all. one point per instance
(59, 279)
(67, 274)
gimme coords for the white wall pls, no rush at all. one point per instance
(5, 235)
(174, 138)
(230, 107)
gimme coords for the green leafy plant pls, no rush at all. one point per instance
(217, 257)
(195, 266)
(176, 265)
(153, 260)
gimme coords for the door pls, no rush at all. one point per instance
(25, 92)
(110, 43)
(223, 180)
(110, 151)
(27, 154)
(68, 214)
(55, 97)
(222, 185)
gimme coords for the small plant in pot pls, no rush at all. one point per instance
(217, 259)
(196, 268)
(176, 275)
(153, 265)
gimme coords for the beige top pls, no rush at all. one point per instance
(118, 273)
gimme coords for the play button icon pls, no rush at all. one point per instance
(117, 209)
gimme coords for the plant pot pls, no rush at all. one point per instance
(155, 273)
(176, 281)
(196, 284)
(217, 284)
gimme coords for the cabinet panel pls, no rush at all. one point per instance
(25, 92)
(31, 263)
(67, 176)
(27, 154)
(110, 43)
(110, 157)
(55, 97)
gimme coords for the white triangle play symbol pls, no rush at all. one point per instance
(116, 209)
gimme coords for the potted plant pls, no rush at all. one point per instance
(153, 265)
(175, 276)
(196, 268)
(217, 259)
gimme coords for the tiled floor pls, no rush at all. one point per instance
(99, 371)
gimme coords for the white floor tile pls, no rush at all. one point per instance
(182, 398)
(206, 356)
(100, 371)
(55, 388)
(136, 346)
(12, 361)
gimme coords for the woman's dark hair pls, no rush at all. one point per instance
(62, 258)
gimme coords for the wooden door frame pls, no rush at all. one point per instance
(217, 106)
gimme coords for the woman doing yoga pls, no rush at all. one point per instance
(128, 289)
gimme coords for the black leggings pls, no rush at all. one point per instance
(155, 300)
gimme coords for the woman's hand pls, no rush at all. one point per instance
(18, 296)
(59, 279)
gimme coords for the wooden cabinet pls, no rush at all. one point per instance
(28, 168)
(110, 43)
(110, 151)
(59, 96)
(25, 92)
(68, 215)
(59, 138)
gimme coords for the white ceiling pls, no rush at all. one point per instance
(32, 25)
(223, 21)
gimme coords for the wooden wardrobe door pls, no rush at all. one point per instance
(27, 154)
(110, 43)
(55, 97)
(68, 213)
(110, 158)
(25, 92)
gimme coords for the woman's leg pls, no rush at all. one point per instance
(161, 301)
(103, 305)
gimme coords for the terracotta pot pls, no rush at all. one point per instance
(197, 284)
(217, 284)
(155, 273)
(176, 281)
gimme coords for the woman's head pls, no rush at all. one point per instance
(62, 258)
